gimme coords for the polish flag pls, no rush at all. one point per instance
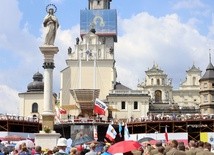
(166, 134)
(100, 107)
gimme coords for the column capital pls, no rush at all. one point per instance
(48, 65)
(49, 50)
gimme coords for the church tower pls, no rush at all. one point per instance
(90, 71)
(207, 90)
(158, 86)
(99, 4)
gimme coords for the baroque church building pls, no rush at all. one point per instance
(91, 74)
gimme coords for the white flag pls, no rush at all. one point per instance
(126, 133)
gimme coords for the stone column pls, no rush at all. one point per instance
(48, 65)
(48, 140)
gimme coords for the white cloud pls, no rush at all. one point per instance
(19, 58)
(173, 45)
(189, 4)
(211, 29)
(9, 100)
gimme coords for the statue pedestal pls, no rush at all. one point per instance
(46, 140)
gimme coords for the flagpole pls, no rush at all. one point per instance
(80, 71)
(95, 63)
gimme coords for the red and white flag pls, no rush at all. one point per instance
(111, 133)
(62, 111)
(100, 107)
(166, 134)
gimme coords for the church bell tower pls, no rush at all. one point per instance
(91, 71)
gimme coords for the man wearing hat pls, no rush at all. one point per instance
(61, 144)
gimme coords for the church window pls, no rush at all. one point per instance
(213, 85)
(206, 98)
(123, 105)
(135, 105)
(158, 81)
(163, 81)
(158, 96)
(151, 81)
(99, 53)
(212, 97)
(34, 108)
(205, 85)
(194, 81)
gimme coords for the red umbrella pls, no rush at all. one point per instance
(124, 146)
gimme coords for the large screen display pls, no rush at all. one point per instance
(104, 21)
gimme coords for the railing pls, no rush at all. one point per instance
(18, 118)
(187, 117)
(84, 120)
(127, 92)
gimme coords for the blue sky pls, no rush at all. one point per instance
(171, 33)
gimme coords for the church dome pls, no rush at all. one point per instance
(37, 84)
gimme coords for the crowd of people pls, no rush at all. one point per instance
(60, 149)
(178, 148)
(169, 148)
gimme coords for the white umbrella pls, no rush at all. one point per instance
(29, 143)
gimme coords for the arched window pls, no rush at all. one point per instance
(194, 81)
(151, 81)
(163, 81)
(158, 96)
(34, 108)
(158, 82)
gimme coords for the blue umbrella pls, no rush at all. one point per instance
(82, 140)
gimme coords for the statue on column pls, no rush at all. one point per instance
(51, 24)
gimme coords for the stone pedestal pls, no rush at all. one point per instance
(46, 140)
(48, 121)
